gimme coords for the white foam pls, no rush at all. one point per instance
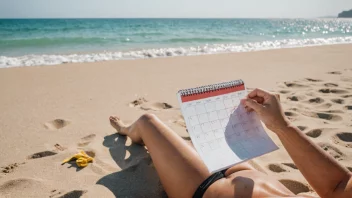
(34, 60)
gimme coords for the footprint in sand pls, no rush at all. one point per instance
(156, 106)
(334, 111)
(294, 85)
(55, 193)
(302, 128)
(279, 168)
(59, 147)
(333, 151)
(296, 98)
(328, 116)
(138, 102)
(71, 194)
(324, 116)
(347, 96)
(74, 194)
(295, 186)
(338, 101)
(186, 138)
(293, 98)
(291, 165)
(343, 139)
(276, 168)
(335, 72)
(86, 140)
(313, 80)
(146, 105)
(284, 91)
(42, 154)
(348, 107)
(334, 91)
(331, 85)
(10, 168)
(23, 187)
(316, 100)
(290, 115)
(56, 124)
(314, 133)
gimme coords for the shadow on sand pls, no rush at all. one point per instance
(138, 177)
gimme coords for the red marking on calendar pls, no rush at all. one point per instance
(212, 93)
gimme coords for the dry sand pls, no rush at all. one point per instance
(49, 113)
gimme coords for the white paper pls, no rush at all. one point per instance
(223, 133)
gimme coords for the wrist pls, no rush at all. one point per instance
(283, 127)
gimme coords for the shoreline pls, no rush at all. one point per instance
(57, 59)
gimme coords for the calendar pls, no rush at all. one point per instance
(222, 131)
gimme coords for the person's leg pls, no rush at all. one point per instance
(178, 165)
(180, 168)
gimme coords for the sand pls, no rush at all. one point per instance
(48, 113)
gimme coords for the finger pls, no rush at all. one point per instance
(243, 102)
(259, 100)
(248, 109)
(254, 105)
(257, 92)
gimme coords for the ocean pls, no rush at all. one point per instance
(29, 42)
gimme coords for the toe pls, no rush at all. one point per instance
(113, 118)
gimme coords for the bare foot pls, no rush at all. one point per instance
(123, 129)
(120, 127)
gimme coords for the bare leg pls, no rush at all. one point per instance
(179, 166)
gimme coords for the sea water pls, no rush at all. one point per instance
(28, 42)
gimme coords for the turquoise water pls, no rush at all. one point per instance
(54, 41)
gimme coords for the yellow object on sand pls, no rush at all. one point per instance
(82, 159)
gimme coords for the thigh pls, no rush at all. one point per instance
(179, 166)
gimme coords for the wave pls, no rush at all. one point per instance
(73, 41)
(35, 60)
(42, 42)
(148, 34)
(185, 40)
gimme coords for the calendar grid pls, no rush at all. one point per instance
(210, 118)
(221, 124)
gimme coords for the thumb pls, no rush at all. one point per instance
(253, 104)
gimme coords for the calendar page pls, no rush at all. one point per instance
(222, 131)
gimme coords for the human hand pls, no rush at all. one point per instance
(268, 108)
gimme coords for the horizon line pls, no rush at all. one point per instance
(174, 17)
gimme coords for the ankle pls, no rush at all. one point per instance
(124, 129)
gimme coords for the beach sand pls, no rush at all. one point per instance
(48, 113)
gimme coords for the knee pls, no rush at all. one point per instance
(148, 117)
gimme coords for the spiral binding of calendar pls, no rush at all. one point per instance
(210, 88)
